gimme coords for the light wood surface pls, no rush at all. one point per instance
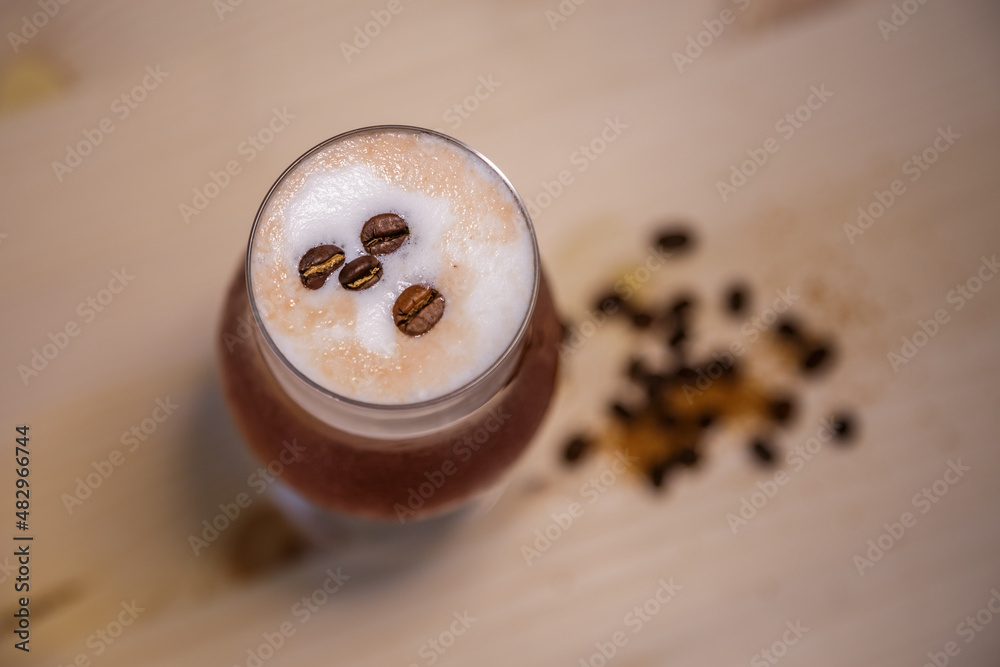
(120, 211)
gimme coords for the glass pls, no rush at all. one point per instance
(392, 462)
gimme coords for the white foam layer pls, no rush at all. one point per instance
(468, 239)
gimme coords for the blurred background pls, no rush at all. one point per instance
(843, 152)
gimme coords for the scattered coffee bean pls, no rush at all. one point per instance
(318, 264)
(677, 338)
(843, 427)
(622, 412)
(816, 358)
(576, 448)
(762, 451)
(788, 330)
(674, 239)
(737, 298)
(609, 303)
(637, 370)
(781, 410)
(384, 233)
(361, 273)
(680, 306)
(667, 420)
(688, 457)
(418, 309)
(641, 320)
(658, 472)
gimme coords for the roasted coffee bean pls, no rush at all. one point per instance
(674, 239)
(658, 472)
(621, 412)
(843, 427)
(576, 448)
(641, 320)
(637, 370)
(418, 309)
(318, 264)
(384, 233)
(781, 409)
(789, 330)
(677, 338)
(361, 273)
(816, 358)
(609, 303)
(737, 298)
(688, 457)
(762, 451)
(706, 419)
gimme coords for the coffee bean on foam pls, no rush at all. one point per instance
(361, 273)
(418, 309)
(384, 233)
(318, 264)
(468, 238)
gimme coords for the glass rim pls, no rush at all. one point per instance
(454, 394)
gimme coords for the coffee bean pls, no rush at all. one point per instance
(706, 419)
(576, 448)
(737, 297)
(384, 233)
(762, 451)
(843, 427)
(816, 358)
(609, 303)
(318, 264)
(688, 457)
(658, 472)
(418, 309)
(361, 273)
(621, 412)
(674, 239)
(781, 409)
(789, 330)
(641, 320)
(677, 338)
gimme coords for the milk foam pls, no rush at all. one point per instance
(468, 239)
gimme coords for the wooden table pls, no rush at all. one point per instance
(206, 83)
